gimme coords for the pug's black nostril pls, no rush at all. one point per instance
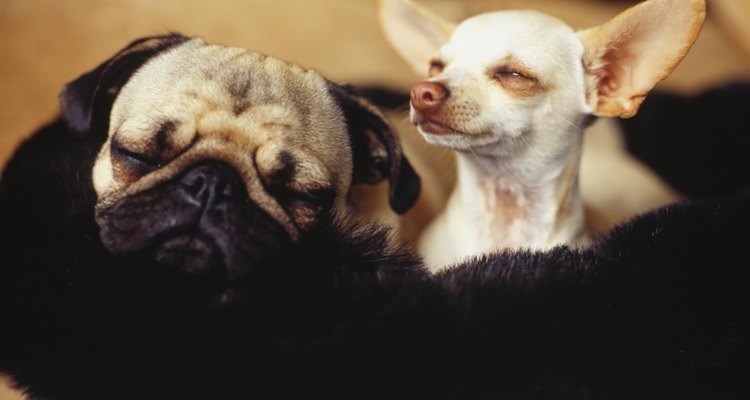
(210, 184)
(195, 185)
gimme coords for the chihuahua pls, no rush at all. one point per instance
(512, 92)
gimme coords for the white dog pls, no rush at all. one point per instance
(512, 92)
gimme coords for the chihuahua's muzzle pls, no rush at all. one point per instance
(202, 223)
(427, 99)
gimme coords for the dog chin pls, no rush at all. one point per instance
(196, 255)
(218, 246)
(456, 140)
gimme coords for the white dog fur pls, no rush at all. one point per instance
(512, 92)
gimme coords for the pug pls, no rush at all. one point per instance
(212, 158)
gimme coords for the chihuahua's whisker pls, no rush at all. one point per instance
(476, 157)
(540, 154)
(567, 121)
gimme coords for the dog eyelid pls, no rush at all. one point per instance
(319, 197)
(436, 67)
(510, 72)
(119, 150)
(516, 80)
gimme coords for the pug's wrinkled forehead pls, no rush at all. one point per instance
(272, 122)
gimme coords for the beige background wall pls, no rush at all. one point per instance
(45, 43)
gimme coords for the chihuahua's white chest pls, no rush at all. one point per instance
(486, 214)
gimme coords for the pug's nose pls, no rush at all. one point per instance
(428, 96)
(211, 184)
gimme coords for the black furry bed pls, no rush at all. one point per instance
(698, 144)
(657, 309)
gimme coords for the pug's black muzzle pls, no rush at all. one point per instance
(202, 223)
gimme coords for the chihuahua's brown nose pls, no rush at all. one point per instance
(428, 96)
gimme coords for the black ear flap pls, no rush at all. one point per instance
(85, 103)
(376, 149)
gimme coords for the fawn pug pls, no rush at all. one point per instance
(210, 157)
(512, 92)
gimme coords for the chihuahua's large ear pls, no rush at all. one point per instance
(85, 103)
(626, 57)
(376, 149)
(414, 32)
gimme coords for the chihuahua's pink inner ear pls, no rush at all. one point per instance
(414, 32)
(626, 57)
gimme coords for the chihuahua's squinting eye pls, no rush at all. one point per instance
(436, 67)
(515, 81)
(509, 73)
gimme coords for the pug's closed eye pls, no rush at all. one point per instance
(314, 198)
(133, 162)
(286, 183)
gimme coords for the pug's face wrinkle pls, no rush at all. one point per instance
(202, 102)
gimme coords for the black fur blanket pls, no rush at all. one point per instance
(657, 309)
(698, 144)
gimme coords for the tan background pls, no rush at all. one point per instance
(45, 43)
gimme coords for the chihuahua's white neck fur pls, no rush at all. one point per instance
(511, 205)
(526, 201)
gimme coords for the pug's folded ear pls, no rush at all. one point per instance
(376, 149)
(86, 102)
